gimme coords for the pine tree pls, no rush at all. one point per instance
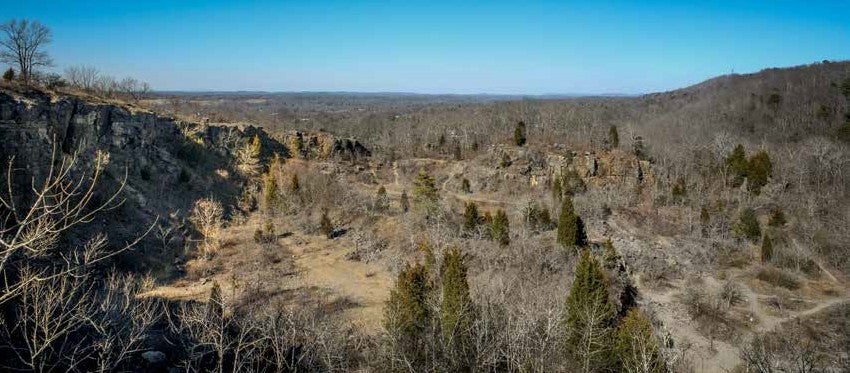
(568, 229)
(519, 134)
(270, 192)
(747, 225)
(294, 184)
(614, 137)
(382, 202)
(9, 75)
(424, 189)
(589, 316)
(456, 310)
(457, 152)
(636, 346)
(465, 187)
(404, 201)
(759, 169)
(500, 228)
(610, 255)
(766, 249)
(737, 164)
(471, 218)
(407, 318)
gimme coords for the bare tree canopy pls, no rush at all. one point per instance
(23, 45)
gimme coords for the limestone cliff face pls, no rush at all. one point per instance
(168, 163)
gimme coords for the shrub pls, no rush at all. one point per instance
(506, 161)
(500, 228)
(325, 225)
(680, 189)
(777, 218)
(557, 191)
(9, 75)
(730, 294)
(404, 201)
(766, 249)
(536, 218)
(519, 134)
(778, 277)
(747, 225)
(207, 217)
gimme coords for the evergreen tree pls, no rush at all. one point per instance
(294, 184)
(457, 152)
(465, 187)
(568, 225)
(407, 317)
(614, 137)
(404, 201)
(610, 255)
(766, 249)
(747, 225)
(680, 190)
(424, 189)
(589, 317)
(519, 134)
(456, 310)
(737, 164)
(9, 75)
(270, 192)
(636, 346)
(382, 202)
(471, 218)
(500, 228)
(758, 171)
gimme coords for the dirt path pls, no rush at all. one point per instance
(321, 262)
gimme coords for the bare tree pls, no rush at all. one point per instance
(83, 77)
(23, 44)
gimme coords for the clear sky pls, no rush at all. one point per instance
(438, 46)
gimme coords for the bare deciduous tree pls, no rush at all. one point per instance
(83, 77)
(23, 45)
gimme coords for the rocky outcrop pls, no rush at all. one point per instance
(322, 145)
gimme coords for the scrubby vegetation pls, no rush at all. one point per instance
(665, 232)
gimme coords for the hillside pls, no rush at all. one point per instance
(296, 243)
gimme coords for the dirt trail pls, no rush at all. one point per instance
(321, 262)
(707, 355)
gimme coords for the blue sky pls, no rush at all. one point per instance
(517, 47)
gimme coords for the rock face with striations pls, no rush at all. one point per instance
(163, 164)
